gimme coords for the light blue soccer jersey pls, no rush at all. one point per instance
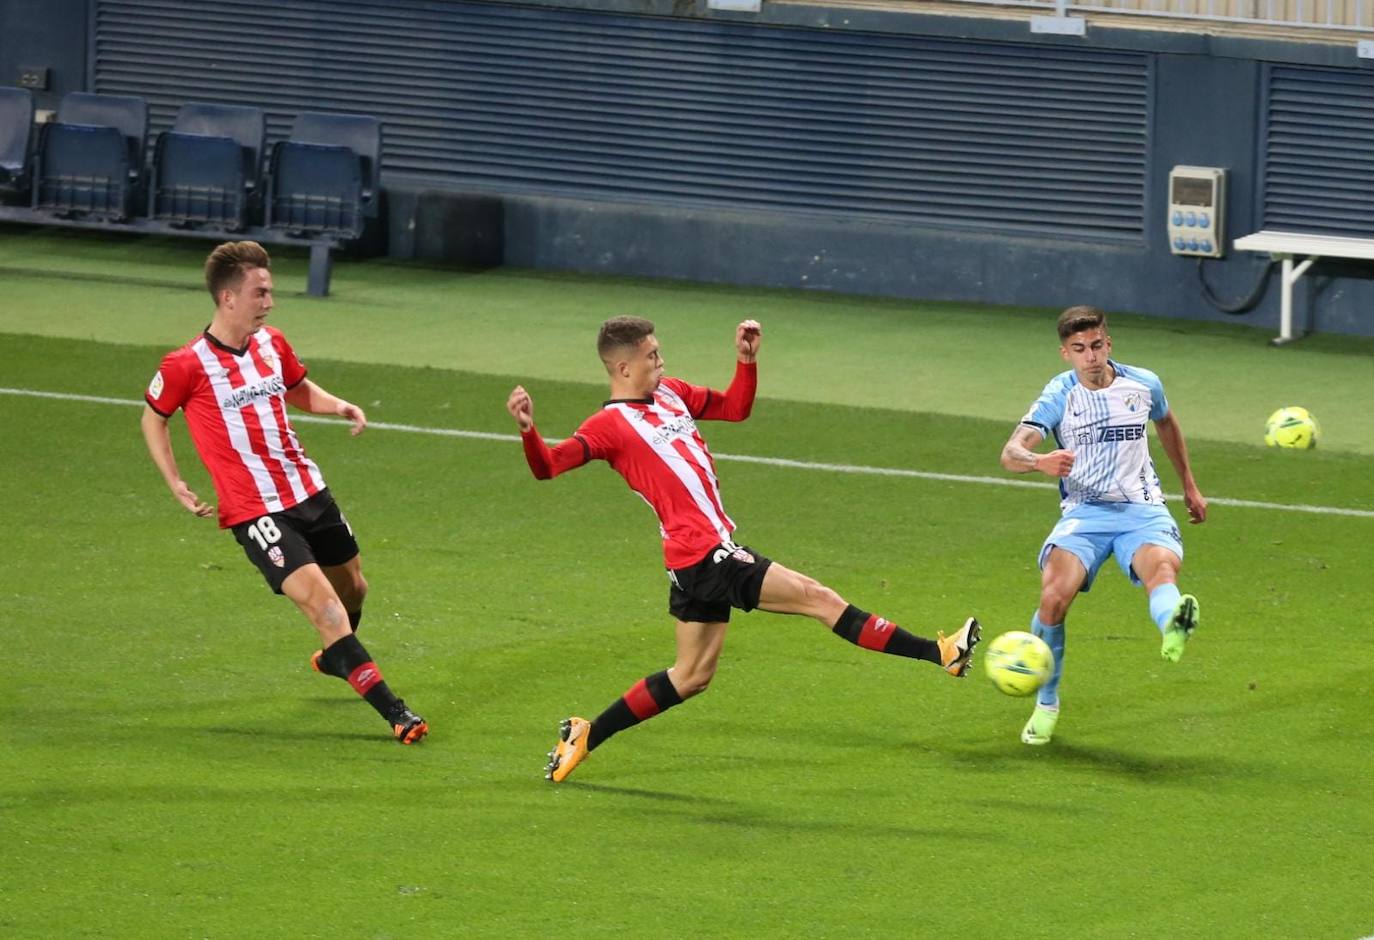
(1106, 431)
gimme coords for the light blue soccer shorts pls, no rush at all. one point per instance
(1093, 531)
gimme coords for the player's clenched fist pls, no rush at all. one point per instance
(521, 407)
(1057, 463)
(747, 337)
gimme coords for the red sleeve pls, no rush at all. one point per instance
(733, 404)
(548, 462)
(293, 371)
(171, 384)
(594, 440)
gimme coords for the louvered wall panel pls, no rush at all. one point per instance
(593, 105)
(1319, 151)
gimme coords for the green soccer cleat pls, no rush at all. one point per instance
(1187, 616)
(1040, 728)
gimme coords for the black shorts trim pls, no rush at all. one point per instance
(311, 532)
(730, 576)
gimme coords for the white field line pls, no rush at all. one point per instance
(740, 458)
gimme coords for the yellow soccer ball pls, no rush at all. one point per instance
(1292, 427)
(1018, 663)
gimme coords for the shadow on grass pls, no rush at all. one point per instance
(746, 818)
(1145, 767)
(731, 814)
(247, 731)
(657, 795)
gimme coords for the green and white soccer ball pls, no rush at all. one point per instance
(1018, 663)
(1292, 427)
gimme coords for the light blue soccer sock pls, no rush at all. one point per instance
(1054, 636)
(1163, 600)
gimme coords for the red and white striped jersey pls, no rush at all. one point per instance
(655, 445)
(235, 404)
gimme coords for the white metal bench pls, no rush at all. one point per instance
(1284, 246)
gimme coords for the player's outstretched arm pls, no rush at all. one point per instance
(1171, 437)
(309, 397)
(1018, 457)
(159, 441)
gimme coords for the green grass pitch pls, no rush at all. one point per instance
(173, 769)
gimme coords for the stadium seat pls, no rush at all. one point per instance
(16, 129)
(82, 169)
(127, 113)
(198, 180)
(315, 189)
(248, 126)
(360, 133)
(205, 170)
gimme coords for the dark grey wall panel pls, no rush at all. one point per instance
(1319, 151)
(673, 111)
(49, 35)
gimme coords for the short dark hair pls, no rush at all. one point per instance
(229, 262)
(621, 331)
(1080, 318)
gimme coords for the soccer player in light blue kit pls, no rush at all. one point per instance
(1110, 495)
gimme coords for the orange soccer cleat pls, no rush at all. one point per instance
(956, 652)
(570, 749)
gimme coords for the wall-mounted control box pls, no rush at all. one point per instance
(1197, 211)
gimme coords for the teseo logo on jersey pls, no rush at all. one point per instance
(1121, 432)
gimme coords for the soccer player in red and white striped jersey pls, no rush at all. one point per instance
(233, 382)
(648, 433)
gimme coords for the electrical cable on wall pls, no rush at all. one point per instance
(1241, 306)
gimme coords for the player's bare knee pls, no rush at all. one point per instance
(1054, 605)
(820, 598)
(327, 612)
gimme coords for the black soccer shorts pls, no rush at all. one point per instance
(729, 576)
(312, 532)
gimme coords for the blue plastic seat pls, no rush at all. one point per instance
(198, 180)
(205, 170)
(360, 133)
(247, 126)
(16, 131)
(127, 113)
(82, 169)
(315, 189)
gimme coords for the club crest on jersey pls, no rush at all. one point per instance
(155, 386)
(275, 556)
(1132, 400)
